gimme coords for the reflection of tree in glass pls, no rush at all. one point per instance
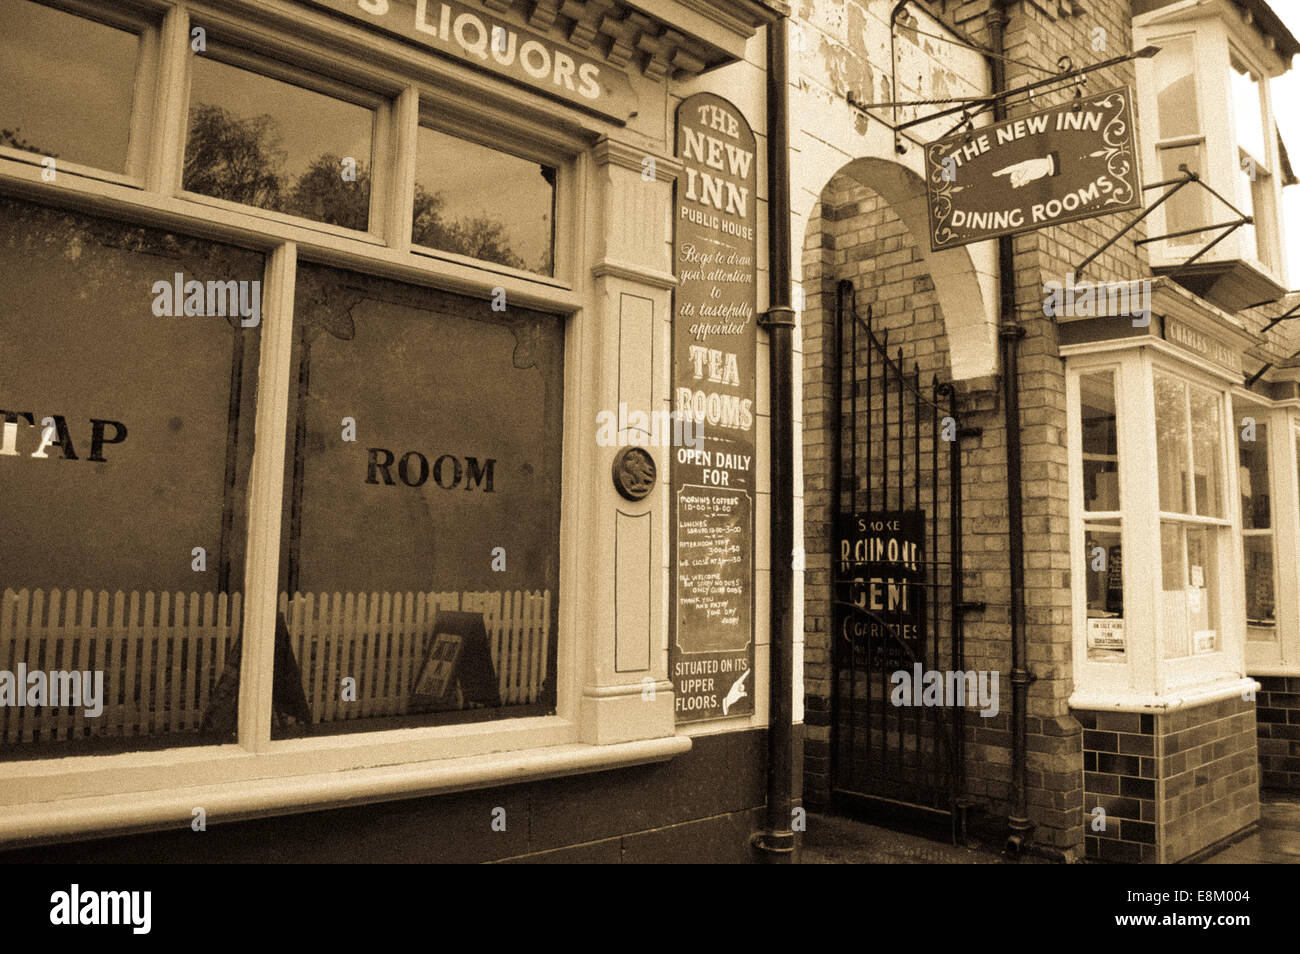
(234, 159)
(10, 137)
(240, 160)
(475, 236)
(322, 193)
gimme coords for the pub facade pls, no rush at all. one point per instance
(605, 431)
(356, 440)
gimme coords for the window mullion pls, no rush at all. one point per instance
(266, 492)
(167, 155)
(405, 120)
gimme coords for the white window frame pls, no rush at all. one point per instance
(1218, 37)
(1263, 414)
(1146, 678)
(256, 776)
(1280, 656)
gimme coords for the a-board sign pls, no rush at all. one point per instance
(714, 340)
(1069, 162)
(458, 659)
(880, 569)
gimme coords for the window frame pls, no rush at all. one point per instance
(1261, 240)
(258, 776)
(1265, 416)
(142, 121)
(1217, 41)
(382, 133)
(460, 127)
(1146, 673)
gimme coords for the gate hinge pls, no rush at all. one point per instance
(972, 606)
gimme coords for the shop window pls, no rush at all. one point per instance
(483, 203)
(278, 145)
(69, 86)
(420, 550)
(1256, 520)
(1100, 441)
(1189, 450)
(1103, 552)
(128, 396)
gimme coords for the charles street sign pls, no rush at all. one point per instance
(1057, 165)
(480, 39)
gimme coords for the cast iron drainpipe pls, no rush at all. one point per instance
(775, 843)
(1019, 828)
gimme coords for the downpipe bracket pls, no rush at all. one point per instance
(778, 846)
(780, 316)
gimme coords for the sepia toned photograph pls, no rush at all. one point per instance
(650, 432)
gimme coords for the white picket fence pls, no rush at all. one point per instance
(381, 642)
(162, 653)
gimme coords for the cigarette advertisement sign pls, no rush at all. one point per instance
(1057, 165)
(711, 650)
(880, 568)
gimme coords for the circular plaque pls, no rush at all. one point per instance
(634, 473)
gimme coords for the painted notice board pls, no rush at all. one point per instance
(711, 649)
(881, 564)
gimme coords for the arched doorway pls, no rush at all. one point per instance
(888, 328)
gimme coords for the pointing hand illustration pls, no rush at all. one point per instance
(1028, 170)
(735, 693)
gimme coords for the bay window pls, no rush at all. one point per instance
(1157, 605)
(1213, 113)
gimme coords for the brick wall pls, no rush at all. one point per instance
(1171, 784)
(1278, 729)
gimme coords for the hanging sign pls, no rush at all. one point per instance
(881, 570)
(1062, 164)
(711, 653)
(475, 37)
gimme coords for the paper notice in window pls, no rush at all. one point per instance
(1198, 575)
(1193, 599)
(1106, 634)
(1205, 641)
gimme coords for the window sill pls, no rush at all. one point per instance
(1182, 698)
(171, 808)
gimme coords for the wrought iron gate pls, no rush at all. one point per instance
(895, 576)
